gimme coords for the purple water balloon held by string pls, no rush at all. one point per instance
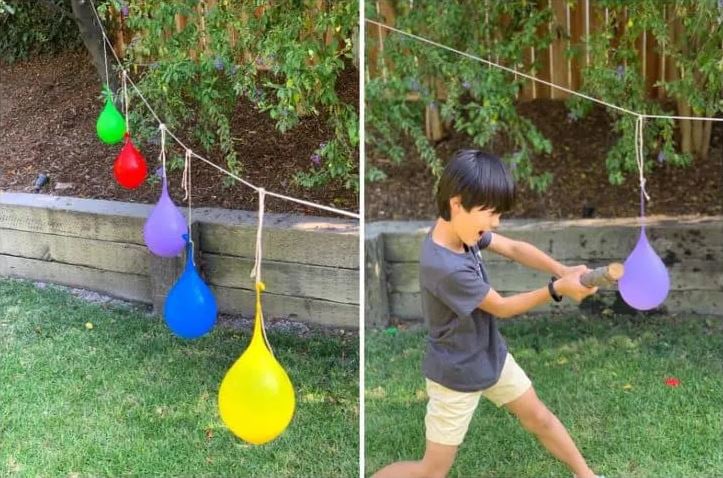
(646, 283)
(165, 227)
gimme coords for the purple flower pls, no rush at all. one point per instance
(414, 85)
(218, 63)
(466, 85)
(620, 72)
(322, 145)
(124, 10)
(316, 159)
(661, 155)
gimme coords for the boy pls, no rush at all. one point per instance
(466, 356)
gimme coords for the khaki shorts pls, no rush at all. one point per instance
(449, 412)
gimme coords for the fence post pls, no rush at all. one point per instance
(376, 309)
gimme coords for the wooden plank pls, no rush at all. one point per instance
(287, 237)
(689, 237)
(407, 306)
(652, 68)
(542, 58)
(86, 218)
(559, 62)
(511, 276)
(375, 37)
(319, 241)
(105, 255)
(241, 301)
(285, 278)
(528, 90)
(376, 303)
(124, 286)
(577, 33)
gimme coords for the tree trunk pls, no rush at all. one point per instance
(697, 137)
(707, 131)
(92, 36)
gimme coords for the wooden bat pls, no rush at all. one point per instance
(603, 276)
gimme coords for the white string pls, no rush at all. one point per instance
(535, 79)
(256, 271)
(125, 99)
(640, 159)
(164, 131)
(186, 183)
(162, 156)
(105, 59)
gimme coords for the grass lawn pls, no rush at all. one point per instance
(603, 377)
(128, 398)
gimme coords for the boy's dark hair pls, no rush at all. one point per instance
(481, 179)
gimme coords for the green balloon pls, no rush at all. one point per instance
(110, 125)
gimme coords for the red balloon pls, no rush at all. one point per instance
(130, 168)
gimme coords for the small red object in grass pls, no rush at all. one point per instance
(672, 382)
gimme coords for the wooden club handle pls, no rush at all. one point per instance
(603, 276)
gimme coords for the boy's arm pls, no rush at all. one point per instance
(529, 256)
(505, 307)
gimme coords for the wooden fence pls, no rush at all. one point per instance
(311, 264)
(691, 247)
(121, 33)
(569, 26)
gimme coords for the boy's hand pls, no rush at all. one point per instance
(569, 285)
(565, 270)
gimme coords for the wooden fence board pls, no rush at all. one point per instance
(76, 217)
(285, 278)
(321, 312)
(584, 16)
(321, 245)
(105, 255)
(124, 286)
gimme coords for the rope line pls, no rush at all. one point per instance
(125, 100)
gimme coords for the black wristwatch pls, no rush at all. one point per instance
(551, 288)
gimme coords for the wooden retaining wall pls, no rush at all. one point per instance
(311, 264)
(691, 247)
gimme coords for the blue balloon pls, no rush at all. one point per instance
(190, 309)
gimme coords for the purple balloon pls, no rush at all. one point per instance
(165, 227)
(646, 282)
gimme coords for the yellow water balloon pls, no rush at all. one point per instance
(256, 399)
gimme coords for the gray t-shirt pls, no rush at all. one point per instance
(465, 351)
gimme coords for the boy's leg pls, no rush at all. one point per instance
(437, 461)
(536, 418)
(448, 416)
